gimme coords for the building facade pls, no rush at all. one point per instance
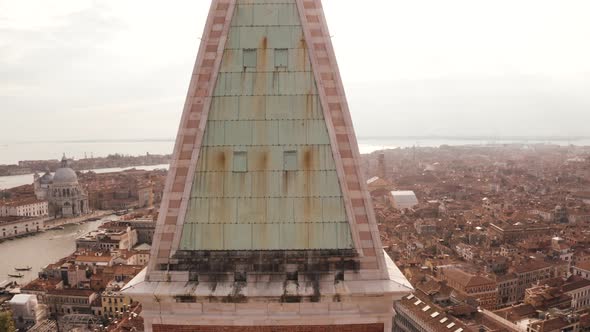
(70, 301)
(145, 228)
(579, 291)
(11, 227)
(507, 290)
(114, 304)
(24, 208)
(506, 232)
(111, 239)
(530, 273)
(265, 211)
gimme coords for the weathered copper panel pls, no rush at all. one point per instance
(267, 234)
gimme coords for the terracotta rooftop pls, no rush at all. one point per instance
(574, 285)
(516, 313)
(553, 324)
(71, 292)
(94, 258)
(583, 266)
(466, 279)
(20, 201)
(532, 265)
(125, 270)
(429, 287)
(41, 285)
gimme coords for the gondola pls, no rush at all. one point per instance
(20, 275)
(28, 268)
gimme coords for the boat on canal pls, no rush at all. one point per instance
(28, 268)
(20, 275)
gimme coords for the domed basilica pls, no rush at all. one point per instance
(65, 195)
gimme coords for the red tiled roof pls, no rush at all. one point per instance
(71, 292)
(466, 279)
(583, 266)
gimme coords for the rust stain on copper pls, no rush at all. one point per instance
(302, 43)
(263, 161)
(285, 186)
(308, 159)
(264, 43)
(229, 56)
(220, 160)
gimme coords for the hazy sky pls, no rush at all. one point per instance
(111, 69)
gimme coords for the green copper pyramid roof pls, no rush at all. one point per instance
(266, 178)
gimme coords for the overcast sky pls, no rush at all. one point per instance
(119, 69)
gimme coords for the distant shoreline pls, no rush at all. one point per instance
(12, 181)
(12, 152)
(37, 165)
(480, 138)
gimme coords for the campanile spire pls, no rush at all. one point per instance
(266, 221)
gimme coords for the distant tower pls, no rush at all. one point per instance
(382, 171)
(266, 223)
(36, 184)
(560, 215)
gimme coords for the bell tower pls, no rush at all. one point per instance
(266, 223)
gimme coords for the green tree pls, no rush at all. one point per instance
(6, 322)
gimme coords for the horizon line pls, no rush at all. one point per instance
(405, 137)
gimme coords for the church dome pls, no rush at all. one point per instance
(47, 178)
(64, 174)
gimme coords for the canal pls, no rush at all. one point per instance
(41, 249)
